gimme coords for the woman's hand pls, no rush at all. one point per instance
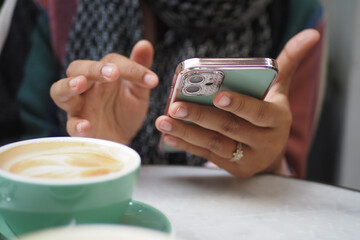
(262, 127)
(107, 99)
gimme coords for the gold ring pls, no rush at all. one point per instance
(238, 154)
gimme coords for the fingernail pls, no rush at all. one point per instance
(166, 126)
(224, 101)
(107, 71)
(170, 141)
(181, 112)
(73, 82)
(150, 79)
(80, 127)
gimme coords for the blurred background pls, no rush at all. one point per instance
(335, 154)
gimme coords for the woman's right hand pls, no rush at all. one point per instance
(109, 98)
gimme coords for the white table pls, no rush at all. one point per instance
(208, 204)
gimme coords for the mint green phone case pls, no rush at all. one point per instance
(197, 80)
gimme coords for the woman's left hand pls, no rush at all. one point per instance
(262, 127)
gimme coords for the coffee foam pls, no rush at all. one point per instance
(61, 160)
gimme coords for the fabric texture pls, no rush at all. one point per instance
(64, 11)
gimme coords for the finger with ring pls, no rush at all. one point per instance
(238, 154)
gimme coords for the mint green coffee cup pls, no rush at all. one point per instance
(98, 232)
(49, 182)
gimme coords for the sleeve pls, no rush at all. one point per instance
(41, 69)
(305, 97)
(27, 69)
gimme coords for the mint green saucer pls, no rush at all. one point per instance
(143, 215)
(137, 214)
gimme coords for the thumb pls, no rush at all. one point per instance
(291, 56)
(143, 53)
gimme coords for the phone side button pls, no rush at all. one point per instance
(171, 92)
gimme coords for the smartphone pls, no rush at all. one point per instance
(197, 80)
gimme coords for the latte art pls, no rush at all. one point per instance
(66, 165)
(72, 161)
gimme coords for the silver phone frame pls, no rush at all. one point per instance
(224, 63)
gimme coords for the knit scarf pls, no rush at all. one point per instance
(193, 28)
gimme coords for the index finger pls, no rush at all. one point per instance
(257, 112)
(112, 67)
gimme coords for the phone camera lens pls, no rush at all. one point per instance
(196, 79)
(193, 89)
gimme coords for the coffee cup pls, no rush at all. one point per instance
(59, 181)
(96, 232)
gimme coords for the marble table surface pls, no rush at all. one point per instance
(204, 203)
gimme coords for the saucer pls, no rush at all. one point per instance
(137, 214)
(143, 215)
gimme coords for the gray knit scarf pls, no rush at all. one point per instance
(193, 28)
